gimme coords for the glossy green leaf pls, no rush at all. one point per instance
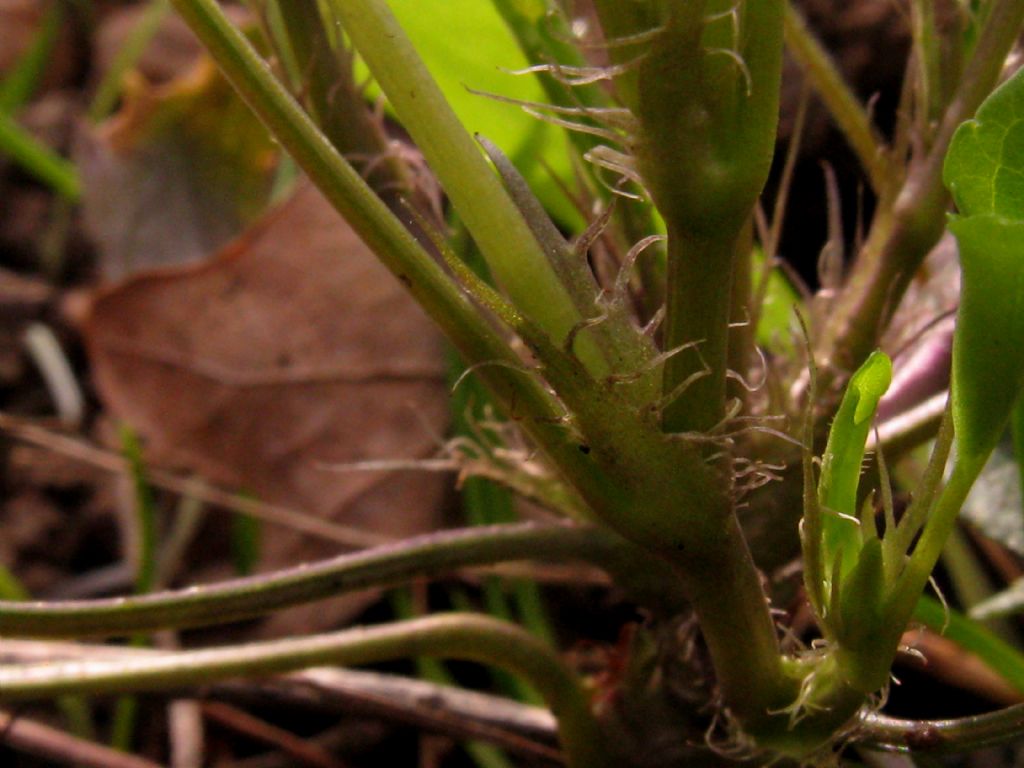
(841, 464)
(984, 168)
(985, 172)
(988, 360)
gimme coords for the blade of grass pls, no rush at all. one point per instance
(38, 160)
(21, 83)
(143, 526)
(75, 709)
(109, 89)
(246, 535)
(998, 654)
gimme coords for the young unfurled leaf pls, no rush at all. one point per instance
(985, 172)
(988, 363)
(862, 619)
(841, 464)
(984, 168)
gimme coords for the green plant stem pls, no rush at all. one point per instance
(926, 54)
(725, 588)
(468, 637)
(338, 105)
(903, 234)
(516, 260)
(941, 520)
(741, 330)
(925, 492)
(942, 737)
(478, 343)
(842, 103)
(255, 596)
(698, 313)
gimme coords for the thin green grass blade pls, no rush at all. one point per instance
(38, 160)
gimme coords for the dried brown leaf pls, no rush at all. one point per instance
(291, 349)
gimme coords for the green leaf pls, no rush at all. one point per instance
(841, 464)
(776, 311)
(466, 45)
(862, 625)
(988, 363)
(984, 168)
(985, 172)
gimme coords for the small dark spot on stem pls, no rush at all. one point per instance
(584, 449)
(923, 738)
(405, 280)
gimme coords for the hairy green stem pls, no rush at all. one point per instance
(725, 587)
(514, 257)
(903, 234)
(468, 637)
(335, 101)
(245, 598)
(700, 283)
(522, 397)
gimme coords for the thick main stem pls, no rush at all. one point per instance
(697, 324)
(724, 585)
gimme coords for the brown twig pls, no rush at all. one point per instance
(517, 728)
(109, 461)
(55, 745)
